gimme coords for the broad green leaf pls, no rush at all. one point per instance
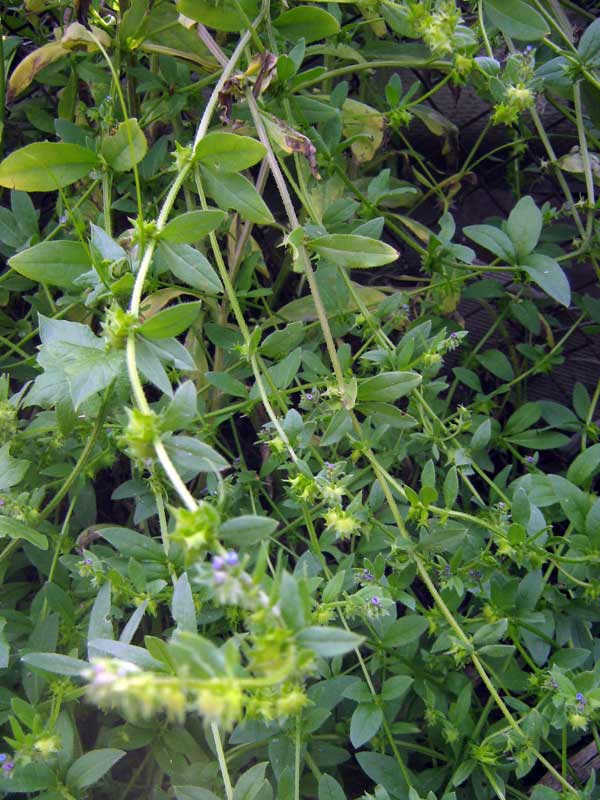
(405, 630)
(364, 724)
(193, 793)
(132, 544)
(523, 418)
(46, 166)
(524, 226)
(56, 663)
(12, 470)
(57, 263)
(385, 771)
(549, 276)
(516, 18)
(387, 386)
(192, 456)
(90, 767)
(227, 383)
(109, 648)
(496, 362)
(537, 439)
(15, 529)
(584, 465)
(281, 342)
(183, 610)
(396, 687)
(28, 778)
(329, 642)
(589, 45)
(450, 487)
(170, 321)
(493, 239)
(329, 789)
(481, 435)
(574, 502)
(223, 16)
(310, 23)
(190, 266)
(125, 148)
(229, 152)
(192, 226)
(353, 252)
(232, 191)
(247, 530)
(250, 783)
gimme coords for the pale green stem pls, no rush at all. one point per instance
(222, 761)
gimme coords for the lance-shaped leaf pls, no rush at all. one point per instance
(46, 166)
(353, 252)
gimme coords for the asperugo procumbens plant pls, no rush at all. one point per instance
(273, 529)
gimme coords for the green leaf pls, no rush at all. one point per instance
(329, 642)
(329, 789)
(585, 465)
(12, 470)
(90, 767)
(170, 321)
(223, 16)
(549, 276)
(227, 383)
(481, 435)
(523, 418)
(46, 166)
(103, 648)
(574, 502)
(232, 191)
(516, 18)
(524, 226)
(28, 778)
(15, 529)
(364, 724)
(385, 771)
(396, 687)
(387, 386)
(250, 784)
(497, 363)
(182, 605)
(192, 456)
(57, 263)
(306, 22)
(193, 793)
(247, 530)
(492, 239)
(132, 544)
(192, 226)
(450, 487)
(190, 266)
(56, 663)
(589, 45)
(353, 252)
(281, 342)
(126, 148)
(229, 152)
(405, 630)
(536, 439)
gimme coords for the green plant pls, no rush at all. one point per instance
(262, 538)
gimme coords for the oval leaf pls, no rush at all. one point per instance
(247, 530)
(353, 252)
(46, 166)
(126, 148)
(223, 16)
(15, 529)
(306, 22)
(388, 386)
(170, 321)
(193, 226)
(230, 190)
(189, 266)
(549, 276)
(329, 642)
(55, 263)
(516, 18)
(229, 152)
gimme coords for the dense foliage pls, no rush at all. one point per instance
(275, 526)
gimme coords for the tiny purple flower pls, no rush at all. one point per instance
(553, 684)
(88, 562)
(375, 601)
(3, 758)
(8, 766)
(63, 219)
(218, 562)
(580, 699)
(2, 502)
(529, 459)
(220, 577)
(501, 505)
(447, 569)
(453, 335)
(368, 575)
(309, 396)
(232, 559)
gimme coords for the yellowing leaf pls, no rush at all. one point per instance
(28, 68)
(77, 36)
(359, 119)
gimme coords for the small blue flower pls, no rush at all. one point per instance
(8, 766)
(309, 396)
(529, 459)
(375, 601)
(218, 562)
(580, 699)
(3, 758)
(231, 558)
(220, 577)
(368, 575)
